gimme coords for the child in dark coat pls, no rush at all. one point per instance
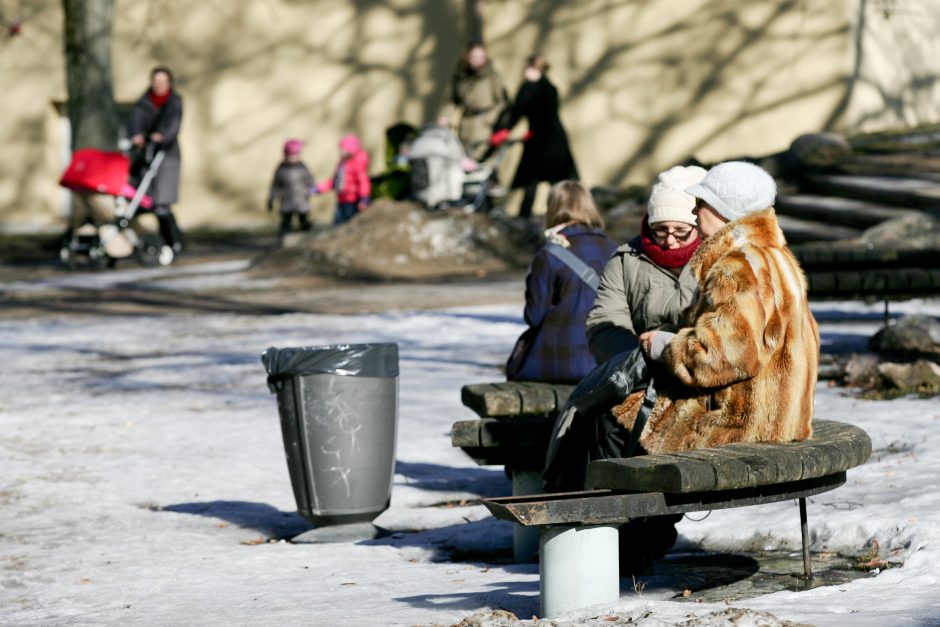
(291, 188)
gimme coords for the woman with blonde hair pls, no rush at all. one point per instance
(560, 289)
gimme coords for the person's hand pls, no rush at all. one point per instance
(156, 138)
(646, 340)
(138, 139)
(527, 136)
(363, 204)
(499, 137)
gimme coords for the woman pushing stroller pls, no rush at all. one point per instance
(155, 124)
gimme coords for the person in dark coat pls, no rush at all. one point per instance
(546, 156)
(555, 347)
(291, 188)
(156, 120)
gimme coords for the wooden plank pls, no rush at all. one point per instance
(595, 507)
(537, 398)
(656, 473)
(525, 432)
(797, 230)
(848, 212)
(906, 192)
(491, 399)
(835, 447)
(465, 433)
(514, 398)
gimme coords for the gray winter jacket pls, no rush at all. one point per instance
(635, 295)
(291, 187)
(146, 119)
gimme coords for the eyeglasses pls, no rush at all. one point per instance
(681, 235)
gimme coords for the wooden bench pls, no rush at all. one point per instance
(578, 538)
(514, 426)
(836, 271)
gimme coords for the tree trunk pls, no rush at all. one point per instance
(473, 12)
(92, 112)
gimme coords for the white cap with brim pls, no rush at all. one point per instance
(736, 188)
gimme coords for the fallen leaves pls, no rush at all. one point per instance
(254, 541)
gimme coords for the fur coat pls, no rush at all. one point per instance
(745, 369)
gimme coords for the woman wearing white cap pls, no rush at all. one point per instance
(646, 284)
(750, 352)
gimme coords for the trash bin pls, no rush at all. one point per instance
(339, 418)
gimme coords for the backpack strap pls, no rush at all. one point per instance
(585, 272)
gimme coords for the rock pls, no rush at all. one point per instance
(820, 149)
(404, 241)
(911, 334)
(920, 377)
(862, 371)
(912, 230)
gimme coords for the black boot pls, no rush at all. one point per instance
(170, 231)
(645, 540)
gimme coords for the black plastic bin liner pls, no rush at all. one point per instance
(338, 407)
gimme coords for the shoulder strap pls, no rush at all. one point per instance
(585, 272)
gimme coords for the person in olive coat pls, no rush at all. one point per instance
(156, 120)
(547, 156)
(478, 97)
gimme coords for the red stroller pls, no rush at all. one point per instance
(105, 225)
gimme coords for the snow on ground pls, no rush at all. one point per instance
(142, 468)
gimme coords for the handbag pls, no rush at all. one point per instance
(520, 352)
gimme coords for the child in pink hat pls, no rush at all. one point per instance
(351, 180)
(291, 188)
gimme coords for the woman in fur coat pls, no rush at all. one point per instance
(744, 369)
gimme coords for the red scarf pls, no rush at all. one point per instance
(665, 257)
(159, 101)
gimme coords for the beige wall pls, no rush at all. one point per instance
(644, 83)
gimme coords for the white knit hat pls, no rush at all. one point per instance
(668, 200)
(736, 188)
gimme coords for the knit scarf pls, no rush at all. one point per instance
(665, 257)
(159, 101)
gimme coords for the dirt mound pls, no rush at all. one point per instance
(403, 241)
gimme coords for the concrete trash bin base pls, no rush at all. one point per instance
(338, 407)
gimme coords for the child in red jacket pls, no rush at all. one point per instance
(351, 180)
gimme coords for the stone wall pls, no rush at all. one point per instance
(644, 84)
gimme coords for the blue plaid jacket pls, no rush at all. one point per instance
(557, 305)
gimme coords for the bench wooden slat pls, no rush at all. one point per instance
(835, 447)
(514, 398)
(465, 434)
(598, 507)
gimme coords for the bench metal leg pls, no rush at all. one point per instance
(525, 540)
(804, 528)
(579, 566)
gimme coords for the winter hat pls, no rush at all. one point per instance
(350, 143)
(736, 188)
(293, 147)
(668, 199)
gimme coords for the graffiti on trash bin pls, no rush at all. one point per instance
(342, 419)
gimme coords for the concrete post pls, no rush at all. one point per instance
(525, 540)
(579, 566)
